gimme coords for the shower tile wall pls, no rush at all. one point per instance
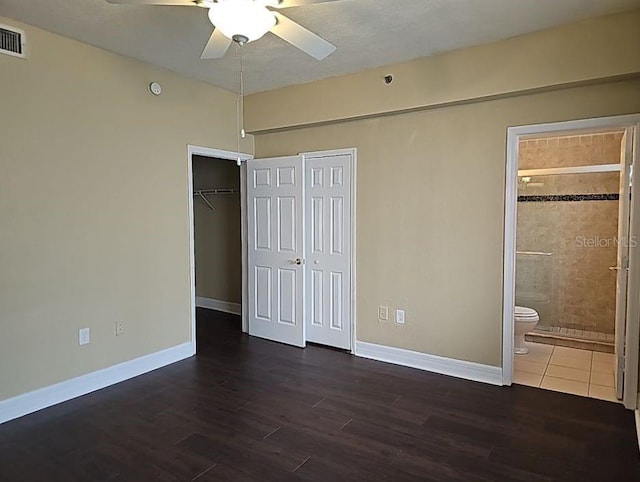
(573, 288)
(570, 151)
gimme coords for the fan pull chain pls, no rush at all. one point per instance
(242, 132)
(239, 107)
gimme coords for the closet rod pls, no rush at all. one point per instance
(199, 192)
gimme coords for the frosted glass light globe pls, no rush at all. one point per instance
(242, 18)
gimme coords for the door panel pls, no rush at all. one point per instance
(328, 257)
(622, 265)
(275, 231)
(632, 318)
(263, 293)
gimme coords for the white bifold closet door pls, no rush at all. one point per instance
(275, 249)
(328, 250)
(300, 250)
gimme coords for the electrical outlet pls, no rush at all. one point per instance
(400, 317)
(383, 312)
(84, 336)
(119, 328)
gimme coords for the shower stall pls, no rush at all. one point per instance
(567, 237)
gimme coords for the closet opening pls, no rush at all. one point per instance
(272, 248)
(216, 213)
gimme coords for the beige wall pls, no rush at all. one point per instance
(93, 207)
(607, 47)
(431, 167)
(93, 189)
(430, 202)
(218, 248)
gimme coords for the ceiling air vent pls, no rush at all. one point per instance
(11, 41)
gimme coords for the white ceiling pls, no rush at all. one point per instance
(367, 33)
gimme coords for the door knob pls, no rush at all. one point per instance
(616, 268)
(295, 261)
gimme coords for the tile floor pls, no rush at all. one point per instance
(567, 370)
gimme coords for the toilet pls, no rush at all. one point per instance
(525, 320)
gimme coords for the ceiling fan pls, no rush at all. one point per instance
(244, 21)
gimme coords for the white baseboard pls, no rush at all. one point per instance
(218, 305)
(430, 363)
(61, 392)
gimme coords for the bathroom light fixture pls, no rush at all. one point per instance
(241, 20)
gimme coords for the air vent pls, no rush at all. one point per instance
(11, 41)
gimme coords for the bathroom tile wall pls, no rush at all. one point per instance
(573, 287)
(569, 151)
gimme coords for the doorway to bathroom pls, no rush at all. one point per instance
(571, 260)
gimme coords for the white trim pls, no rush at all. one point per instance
(244, 308)
(632, 334)
(431, 363)
(354, 245)
(219, 305)
(192, 251)
(61, 392)
(638, 426)
(231, 156)
(554, 171)
(353, 152)
(585, 125)
(509, 273)
(514, 134)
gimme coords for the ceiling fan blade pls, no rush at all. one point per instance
(216, 47)
(300, 3)
(185, 3)
(300, 37)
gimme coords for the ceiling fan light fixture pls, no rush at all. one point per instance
(241, 18)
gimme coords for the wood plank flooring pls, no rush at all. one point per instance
(246, 409)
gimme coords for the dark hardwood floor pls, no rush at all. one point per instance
(246, 409)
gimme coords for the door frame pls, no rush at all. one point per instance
(193, 150)
(353, 152)
(514, 134)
